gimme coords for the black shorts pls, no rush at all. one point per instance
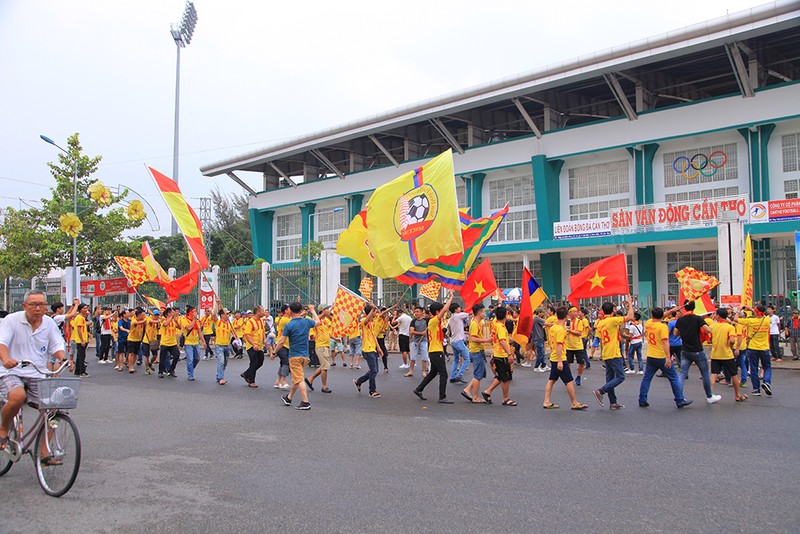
(729, 366)
(502, 369)
(578, 356)
(134, 346)
(122, 347)
(564, 374)
(283, 355)
(402, 342)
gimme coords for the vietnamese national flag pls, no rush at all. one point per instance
(532, 296)
(478, 285)
(603, 278)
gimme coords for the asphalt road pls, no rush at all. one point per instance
(165, 455)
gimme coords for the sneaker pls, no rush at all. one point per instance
(303, 406)
(577, 381)
(148, 371)
(85, 375)
(160, 375)
(599, 396)
(545, 369)
(191, 379)
(525, 364)
(630, 372)
(755, 393)
(357, 385)
(617, 406)
(714, 398)
(644, 404)
(286, 400)
(538, 370)
(419, 394)
(767, 388)
(286, 386)
(639, 372)
(685, 404)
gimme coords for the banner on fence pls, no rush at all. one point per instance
(775, 210)
(105, 288)
(206, 290)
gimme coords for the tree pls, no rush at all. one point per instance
(32, 242)
(228, 237)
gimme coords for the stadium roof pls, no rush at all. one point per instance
(738, 53)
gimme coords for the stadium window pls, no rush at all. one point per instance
(703, 157)
(288, 237)
(791, 152)
(702, 260)
(701, 194)
(607, 184)
(330, 224)
(520, 223)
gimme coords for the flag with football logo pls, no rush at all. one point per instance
(345, 312)
(431, 290)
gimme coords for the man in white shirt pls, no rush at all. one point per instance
(403, 323)
(774, 333)
(458, 338)
(25, 335)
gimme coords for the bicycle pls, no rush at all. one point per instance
(54, 435)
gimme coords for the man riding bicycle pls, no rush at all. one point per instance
(28, 335)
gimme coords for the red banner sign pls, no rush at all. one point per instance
(106, 288)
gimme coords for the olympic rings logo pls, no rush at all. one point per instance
(699, 164)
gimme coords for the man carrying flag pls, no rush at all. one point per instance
(532, 296)
(608, 331)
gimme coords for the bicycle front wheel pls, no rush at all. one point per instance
(6, 459)
(57, 455)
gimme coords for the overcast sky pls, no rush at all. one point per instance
(258, 72)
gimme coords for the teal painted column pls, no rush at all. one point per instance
(648, 289)
(551, 274)
(757, 142)
(546, 186)
(354, 204)
(762, 269)
(261, 233)
(306, 211)
(475, 194)
(643, 170)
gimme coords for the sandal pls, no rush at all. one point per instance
(222, 382)
(252, 385)
(487, 397)
(509, 402)
(741, 398)
(467, 396)
(550, 406)
(375, 395)
(4, 443)
(50, 461)
(580, 406)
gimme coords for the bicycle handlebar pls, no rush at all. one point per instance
(47, 372)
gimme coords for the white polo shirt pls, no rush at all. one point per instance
(404, 325)
(25, 344)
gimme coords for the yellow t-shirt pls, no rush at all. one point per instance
(721, 334)
(79, 332)
(475, 329)
(255, 328)
(151, 328)
(572, 341)
(191, 338)
(280, 323)
(238, 326)
(757, 331)
(741, 332)
(560, 336)
(709, 323)
(369, 341)
(584, 328)
(655, 332)
(207, 323)
(169, 334)
(435, 335)
(137, 331)
(608, 332)
(324, 332)
(499, 333)
(381, 326)
(223, 337)
(114, 330)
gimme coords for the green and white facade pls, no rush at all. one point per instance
(595, 141)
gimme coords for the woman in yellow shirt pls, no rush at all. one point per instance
(170, 354)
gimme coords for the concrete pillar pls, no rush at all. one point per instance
(354, 278)
(475, 194)
(546, 186)
(648, 287)
(643, 171)
(330, 269)
(261, 229)
(266, 288)
(551, 274)
(306, 213)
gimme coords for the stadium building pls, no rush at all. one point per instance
(669, 149)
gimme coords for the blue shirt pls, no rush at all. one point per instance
(674, 341)
(126, 324)
(297, 331)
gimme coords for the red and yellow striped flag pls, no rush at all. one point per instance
(345, 311)
(154, 269)
(431, 289)
(184, 215)
(134, 270)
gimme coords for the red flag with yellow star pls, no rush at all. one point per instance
(478, 285)
(603, 278)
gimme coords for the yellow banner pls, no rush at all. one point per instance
(747, 288)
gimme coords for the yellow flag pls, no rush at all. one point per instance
(354, 243)
(414, 218)
(747, 288)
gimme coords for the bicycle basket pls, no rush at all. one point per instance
(59, 393)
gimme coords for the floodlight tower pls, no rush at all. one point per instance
(182, 34)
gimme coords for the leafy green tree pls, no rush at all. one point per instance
(228, 241)
(33, 244)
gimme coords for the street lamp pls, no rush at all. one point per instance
(308, 253)
(182, 35)
(75, 286)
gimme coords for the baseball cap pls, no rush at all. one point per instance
(156, 312)
(323, 307)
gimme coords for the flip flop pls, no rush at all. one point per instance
(4, 443)
(466, 396)
(251, 385)
(551, 406)
(509, 402)
(486, 397)
(580, 406)
(375, 395)
(50, 461)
